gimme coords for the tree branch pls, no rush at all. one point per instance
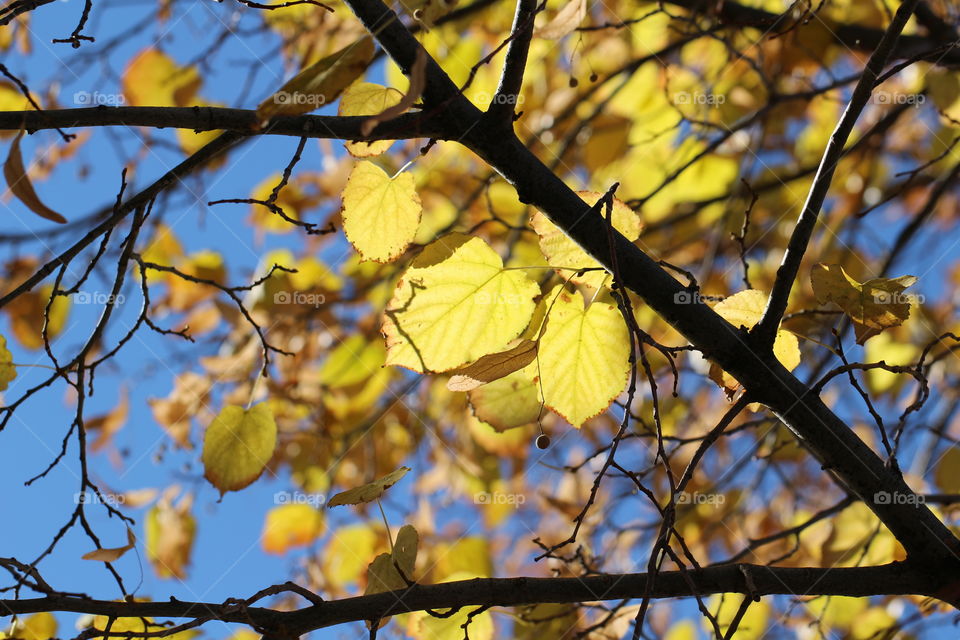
(240, 121)
(889, 579)
(766, 329)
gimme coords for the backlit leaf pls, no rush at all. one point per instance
(8, 371)
(566, 255)
(153, 79)
(877, 304)
(291, 525)
(320, 83)
(455, 304)
(584, 356)
(237, 446)
(744, 309)
(380, 213)
(368, 99)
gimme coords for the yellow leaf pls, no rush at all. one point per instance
(321, 82)
(368, 99)
(947, 472)
(39, 626)
(27, 316)
(111, 555)
(382, 575)
(153, 79)
(753, 625)
(468, 557)
(877, 304)
(567, 19)
(291, 525)
(584, 356)
(370, 491)
(19, 183)
(744, 309)
(170, 531)
(380, 213)
(8, 370)
(455, 304)
(354, 360)
(349, 551)
(566, 256)
(683, 630)
(451, 627)
(493, 366)
(509, 402)
(238, 445)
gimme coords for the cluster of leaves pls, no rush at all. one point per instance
(410, 309)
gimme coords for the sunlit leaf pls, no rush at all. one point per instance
(454, 305)
(744, 309)
(564, 254)
(368, 99)
(320, 83)
(584, 356)
(291, 525)
(8, 371)
(237, 446)
(380, 213)
(878, 303)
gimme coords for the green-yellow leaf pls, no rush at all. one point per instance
(382, 575)
(321, 82)
(509, 402)
(753, 625)
(876, 304)
(565, 255)
(354, 360)
(368, 99)
(584, 356)
(455, 304)
(744, 309)
(947, 471)
(380, 213)
(493, 366)
(111, 555)
(370, 491)
(8, 371)
(238, 445)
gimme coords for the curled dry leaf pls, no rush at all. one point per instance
(19, 183)
(112, 555)
(493, 367)
(370, 491)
